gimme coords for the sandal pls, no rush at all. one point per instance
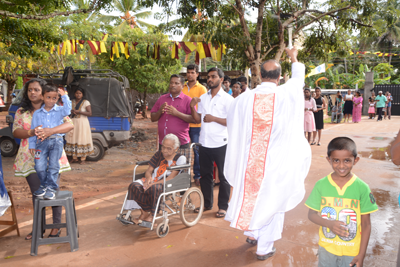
(197, 210)
(56, 235)
(220, 214)
(251, 241)
(30, 236)
(318, 144)
(312, 143)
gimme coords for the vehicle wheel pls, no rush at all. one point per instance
(192, 199)
(98, 151)
(8, 146)
(161, 230)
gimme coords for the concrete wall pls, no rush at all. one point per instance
(368, 86)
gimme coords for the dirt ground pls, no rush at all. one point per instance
(114, 171)
(99, 190)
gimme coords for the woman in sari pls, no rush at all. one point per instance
(357, 108)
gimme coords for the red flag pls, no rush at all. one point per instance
(206, 49)
(98, 47)
(197, 58)
(134, 45)
(92, 47)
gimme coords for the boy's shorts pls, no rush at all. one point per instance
(327, 259)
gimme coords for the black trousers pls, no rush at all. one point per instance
(379, 114)
(207, 157)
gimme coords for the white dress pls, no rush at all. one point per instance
(79, 140)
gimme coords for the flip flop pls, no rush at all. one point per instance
(313, 143)
(318, 144)
(30, 238)
(220, 214)
(251, 241)
(266, 256)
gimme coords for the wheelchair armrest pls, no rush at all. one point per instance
(142, 163)
(180, 167)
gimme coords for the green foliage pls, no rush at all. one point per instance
(146, 75)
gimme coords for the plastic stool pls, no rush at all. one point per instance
(63, 198)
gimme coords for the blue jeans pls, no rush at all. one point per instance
(47, 165)
(194, 133)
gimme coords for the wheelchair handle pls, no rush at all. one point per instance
(180, 167)
(141, 163)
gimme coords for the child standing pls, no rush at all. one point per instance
(309, 108)
(48, 151)
(371, 109)
(344, 202)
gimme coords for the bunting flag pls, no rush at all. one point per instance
(202, 49)
(221, 50)
(206, 49)
(126, 50)
(197, 60)
(188, 47)
(174, 52)
(156, 52)
(93, 47)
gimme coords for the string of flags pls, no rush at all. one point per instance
(379, 54)
(202, 49)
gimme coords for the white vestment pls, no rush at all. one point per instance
(267, 157)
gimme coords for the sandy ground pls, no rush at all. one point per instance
(99, 189)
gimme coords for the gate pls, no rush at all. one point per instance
(394, 89)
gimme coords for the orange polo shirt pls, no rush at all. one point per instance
(197, 90)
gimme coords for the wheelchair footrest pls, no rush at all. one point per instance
(145, 224)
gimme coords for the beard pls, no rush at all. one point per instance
(213, 86)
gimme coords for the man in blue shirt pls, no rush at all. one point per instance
(48, 151)
(380, 104)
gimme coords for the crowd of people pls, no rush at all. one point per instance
(245, 138)
(243, 134)
(347, 107)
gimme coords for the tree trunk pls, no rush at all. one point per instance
(255, 73)
(144, 110)
(11, 81)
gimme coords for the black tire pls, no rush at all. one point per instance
(161, 230)
(8, 146)
(98, 151)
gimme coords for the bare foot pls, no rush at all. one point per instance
(82, 162)
(143, 217)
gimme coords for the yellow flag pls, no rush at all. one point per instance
(191, 46)
(200, 50)
(121, 46)
(64, 46)
(213, 52)
(67, 45)
(126, 50)
(103, 47)
(52, 49)
(116, 51)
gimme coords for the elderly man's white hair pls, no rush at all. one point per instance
(173, 138)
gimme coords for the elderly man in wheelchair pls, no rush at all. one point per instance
(162, 186)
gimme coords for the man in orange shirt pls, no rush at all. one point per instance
(192, 89)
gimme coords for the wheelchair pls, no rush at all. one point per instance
(167, 203)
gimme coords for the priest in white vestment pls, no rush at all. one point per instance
(267, 157)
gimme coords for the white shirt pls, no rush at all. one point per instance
(212, 134)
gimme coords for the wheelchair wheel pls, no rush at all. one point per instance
(192, 199)
(161, 230)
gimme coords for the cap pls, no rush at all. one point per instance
(380, 92)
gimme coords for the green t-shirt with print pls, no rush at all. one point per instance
(346, 205)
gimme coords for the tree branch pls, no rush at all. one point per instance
(48, 16)
(268, 51)
(7, 3)
(287, 22)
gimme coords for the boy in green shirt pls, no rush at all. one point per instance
(344, 202)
